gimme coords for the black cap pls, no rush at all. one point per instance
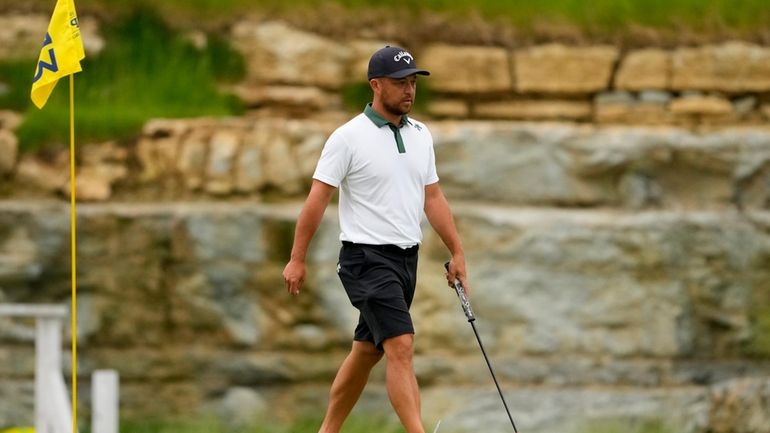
(393, 62)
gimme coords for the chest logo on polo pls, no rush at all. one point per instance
(403, 55)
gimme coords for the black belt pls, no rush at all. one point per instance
(386, 248)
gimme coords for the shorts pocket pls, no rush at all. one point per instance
(352, 262)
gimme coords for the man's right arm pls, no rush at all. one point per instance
(307, 224)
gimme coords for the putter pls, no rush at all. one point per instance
(471, 319)
(437, 425)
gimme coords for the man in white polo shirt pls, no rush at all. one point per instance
(384, 166)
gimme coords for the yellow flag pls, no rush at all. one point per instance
(61, 53)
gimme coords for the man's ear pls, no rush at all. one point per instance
(375, 85)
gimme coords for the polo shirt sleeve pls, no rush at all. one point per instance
(431, 176)
(334, 161)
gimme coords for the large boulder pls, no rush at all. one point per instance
(560, 164)
(556, 68)
(466, 69)
(732, 67)
(644, 69)
(279, 54)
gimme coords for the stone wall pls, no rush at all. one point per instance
(577, 308)
(294, 74)
(709, 84)
(290, 68)
(614, 206)
(514, 163)
(610, 264)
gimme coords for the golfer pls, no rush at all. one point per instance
(384, 166)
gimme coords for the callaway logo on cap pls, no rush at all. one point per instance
(393, 62)
(403, 55)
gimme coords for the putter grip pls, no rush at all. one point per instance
(463, 299)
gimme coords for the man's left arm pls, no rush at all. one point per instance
(440, 218)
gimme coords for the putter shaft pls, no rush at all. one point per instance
(466, 305)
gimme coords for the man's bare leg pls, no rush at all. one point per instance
(402, 383)
(349, 383)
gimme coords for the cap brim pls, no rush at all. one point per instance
(407, 72)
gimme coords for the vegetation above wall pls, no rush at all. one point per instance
(148, 70)
(606, 19)
(152, 68)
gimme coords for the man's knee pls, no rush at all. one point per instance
(399, 349)
(367, 350)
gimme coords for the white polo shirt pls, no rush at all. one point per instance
(381, 181)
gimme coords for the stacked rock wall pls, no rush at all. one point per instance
(614, 207)
(704, 85)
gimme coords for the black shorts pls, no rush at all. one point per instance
(380, 282)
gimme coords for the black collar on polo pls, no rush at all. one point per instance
(380, 121)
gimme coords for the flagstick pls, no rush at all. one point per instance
(73, 260)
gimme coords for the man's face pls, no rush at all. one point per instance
(397, 95)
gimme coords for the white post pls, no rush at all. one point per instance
(61, 414)
(47, 361)
(105, 401)
(52, 407)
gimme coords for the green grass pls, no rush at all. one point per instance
(602, 16)
(597, 16)
(356, 424)
(308, 424)
(17, 74)
(626, 426)
(147, 71)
